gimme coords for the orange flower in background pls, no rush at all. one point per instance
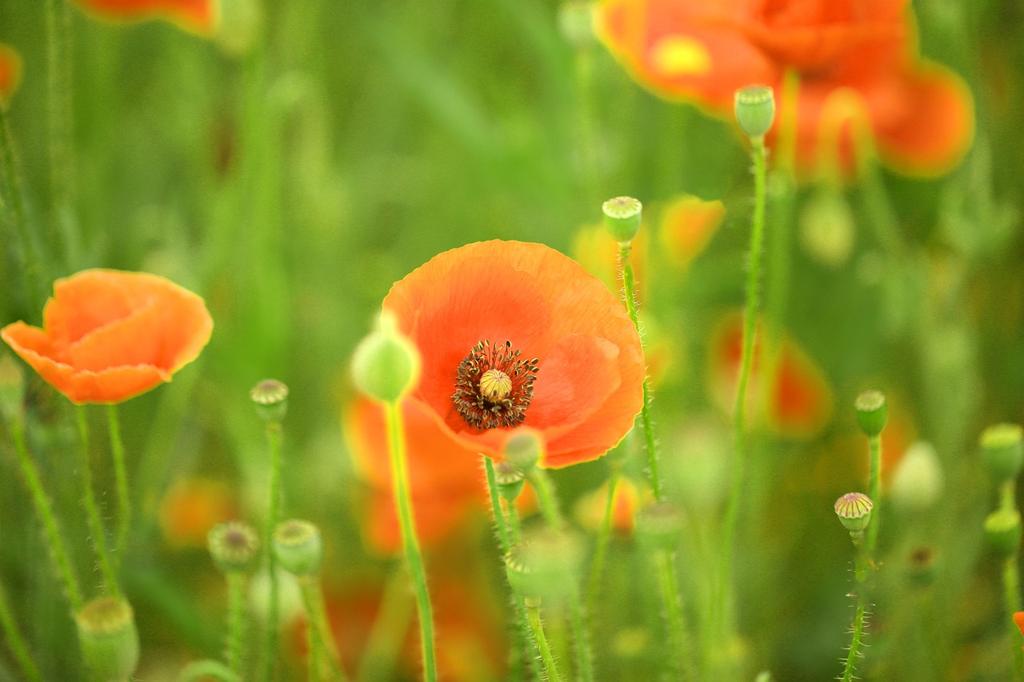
(191, 508)
(109, 335)
(198, 16)
(800, 402)
(445, 478)
(1018, 619)
(10, 72)
(516, 334)
(687, 225)
(590, 508)
(598, 252)
(920, 113)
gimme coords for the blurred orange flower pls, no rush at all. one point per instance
(191, 508)
(198, 16)
(445, 478)
(109, 335)
(10, 72)
(598, 252)
(590, 508)
(800, 402)
(513, 333)
(687, 225)
(921, 114)
(1018, 619)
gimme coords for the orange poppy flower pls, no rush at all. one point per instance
(687, 225)
(516, 334)
(191, 508)
(921, 114)
(445, 478)
(800, 402)
(1018, 619)
(197, 16)
(109, 335)
(10, 72)
(598, 252)
(590, 508)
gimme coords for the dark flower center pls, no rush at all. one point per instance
(494, 386)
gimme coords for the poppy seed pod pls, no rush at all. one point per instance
(234, 546)
(271, 399)
(754, 106)
(510, 480)
(1003, 531)
(872, 412)
(386, 364)
(544, 564)
(622, 216)
(298, 547)
(108, 638)
(854, 512)
(524, 450)
(1003, 451)
(12, 388)
(659, 525)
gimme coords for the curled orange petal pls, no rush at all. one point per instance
(109, 335)
(197, 16)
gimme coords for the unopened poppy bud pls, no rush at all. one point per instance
(828, 228)
(872, 412)
(298, 547)
(234, 546)
(659, 525)
(510, 480)
(1002, 530)
(854, 512)
(386, 364)
(1003, 451)
(544, 564)
(622, 216)
(576, 22)
(524, 450)
(12, 388)
(271, 399)
(108, 639)
(755, 109)
(917, 482)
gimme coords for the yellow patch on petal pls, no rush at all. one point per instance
(680, 56)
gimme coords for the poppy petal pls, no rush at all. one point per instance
(198, 16)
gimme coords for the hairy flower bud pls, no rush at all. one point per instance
(108, 638)
(298, 547)
(622, 216)
(386, 364)
(755, 109)
(234, 546)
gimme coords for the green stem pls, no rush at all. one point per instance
(629, 294)
(92, 511)
(874, 492)
(680, 646)
(504, 530)
(546, 497)
(44, 510)
(604, 535)
(124, 500)
(236, 621)
(410, 543)
(856, 638)
(746, 361)
(15, 640)
(319, 626)
(14, 195)
(61, 157)
(537, 630)
(270, 635)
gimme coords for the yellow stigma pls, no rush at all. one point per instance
(495, 385)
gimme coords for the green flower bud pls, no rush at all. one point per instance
(659, 526)
(872, 412)
(386, 364)
(544, 564)
(854, 512)
(12, 388)
(1003, 451)
(755, 109)
(510, 480)
(1002, 530)
(622, 216)
(828, 228)
(917, 482)
(524, 450)
(298, 547)
(108, 639)
(271, 399)
(234, 546)
(576, 23)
